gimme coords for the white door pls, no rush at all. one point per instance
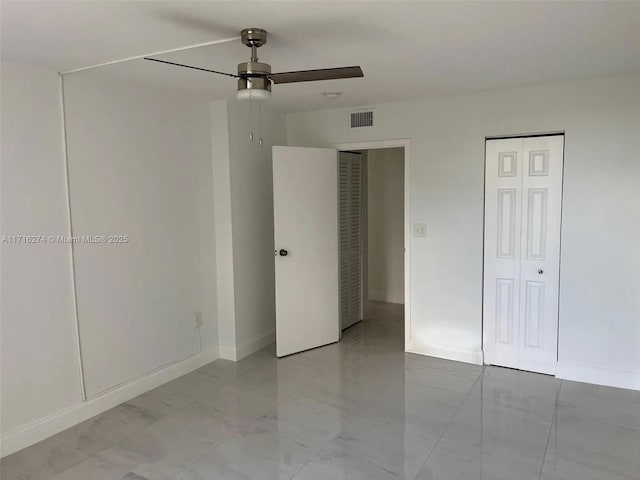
(305, 204)
(523, 196)
(350, 228)
(501, 305)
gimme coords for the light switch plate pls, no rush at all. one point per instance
(419, 230)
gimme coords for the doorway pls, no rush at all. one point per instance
(308, 244)
(523, 204)
(371, 184)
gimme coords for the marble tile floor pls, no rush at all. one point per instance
(358, 409)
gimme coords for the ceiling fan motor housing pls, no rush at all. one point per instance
(254, 76)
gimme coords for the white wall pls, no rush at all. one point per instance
(39, 364)
(252, 210)
(224, 238)
(140, 164)
(385, 219)
(600, 266)
(250, 323)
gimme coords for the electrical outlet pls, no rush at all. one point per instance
(197, 319)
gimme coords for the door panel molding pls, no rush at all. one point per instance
(506, 222)
(504, 310)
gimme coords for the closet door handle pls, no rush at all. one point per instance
(540, 272)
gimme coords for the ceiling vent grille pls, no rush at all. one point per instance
(361, 119)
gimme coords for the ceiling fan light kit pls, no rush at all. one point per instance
(255, 95)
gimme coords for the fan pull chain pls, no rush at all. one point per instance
(260, 122)
(250, 123)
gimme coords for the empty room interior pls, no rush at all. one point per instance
(317, 240)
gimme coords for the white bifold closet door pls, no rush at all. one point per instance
(523, 197)
(350, 228)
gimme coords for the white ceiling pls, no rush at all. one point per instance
(406, 49)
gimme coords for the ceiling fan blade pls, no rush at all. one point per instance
(194, 68)
(313, 75)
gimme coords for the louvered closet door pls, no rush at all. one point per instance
(343, 185)
(523, 196)
(355, 257)
(350, 193)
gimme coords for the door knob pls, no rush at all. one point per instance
(540, 272)
(283, 252)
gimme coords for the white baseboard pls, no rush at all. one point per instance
(228, 353)
(52, 424)
(448, 352)
(256, 343)
(598, 376)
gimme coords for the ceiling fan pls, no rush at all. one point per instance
(255, 78)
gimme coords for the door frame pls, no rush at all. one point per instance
(404, 143)
(484, 220)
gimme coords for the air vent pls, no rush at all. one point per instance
(361, 119)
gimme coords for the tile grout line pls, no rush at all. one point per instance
(553, 422)
(450, 422)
